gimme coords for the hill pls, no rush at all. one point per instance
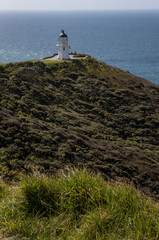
(79, 112)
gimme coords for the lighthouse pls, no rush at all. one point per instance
(63, 46)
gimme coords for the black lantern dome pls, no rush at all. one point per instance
(63, 34)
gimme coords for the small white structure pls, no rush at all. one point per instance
(63, 46)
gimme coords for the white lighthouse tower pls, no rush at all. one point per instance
(63, 46)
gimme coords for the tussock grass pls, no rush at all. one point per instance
(76, 205)
(3, 189)
(41, 194)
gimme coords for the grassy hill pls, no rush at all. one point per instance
(81, 112)
(75, 205)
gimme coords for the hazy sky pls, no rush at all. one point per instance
(77, 4)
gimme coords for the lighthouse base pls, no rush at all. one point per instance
(71, 57)
(63, 58)
(63, 55)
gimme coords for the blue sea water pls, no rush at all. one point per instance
(125, 39)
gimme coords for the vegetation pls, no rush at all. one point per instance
(76, 205)
(81, 55)
(80, 112)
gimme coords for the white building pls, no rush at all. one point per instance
(63, 46)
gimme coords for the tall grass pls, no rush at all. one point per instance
(2, 189)
(77, 205)
(41, 194)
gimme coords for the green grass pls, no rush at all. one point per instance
(52, 62)
(2, 189)
(76, 205)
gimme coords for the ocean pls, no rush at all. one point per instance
(126, 39)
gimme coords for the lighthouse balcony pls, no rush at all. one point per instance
(62, 44)
(63, 41)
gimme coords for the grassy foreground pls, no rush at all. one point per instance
(75, 205)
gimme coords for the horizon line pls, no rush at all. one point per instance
(76, 10)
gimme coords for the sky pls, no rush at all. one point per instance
(78, 4)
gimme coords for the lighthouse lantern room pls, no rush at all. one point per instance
(63, 46)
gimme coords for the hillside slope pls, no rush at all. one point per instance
(79, 112)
